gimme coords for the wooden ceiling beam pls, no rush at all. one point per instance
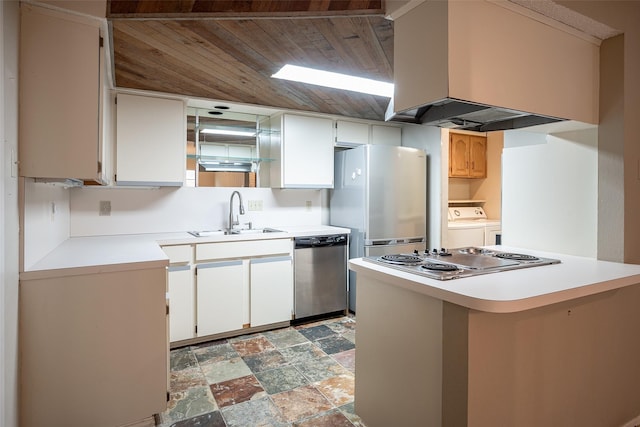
(240, 9)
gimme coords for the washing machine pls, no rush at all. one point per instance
(469, 226)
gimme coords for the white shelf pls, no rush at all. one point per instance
(466, 202)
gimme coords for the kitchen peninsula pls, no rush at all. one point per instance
(554, 345)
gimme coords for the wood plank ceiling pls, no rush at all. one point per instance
(227, 50)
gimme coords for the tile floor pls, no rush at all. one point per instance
(297, 376)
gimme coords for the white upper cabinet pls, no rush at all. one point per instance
(301, 152)
(150, 141)
(386, 135)
(61, 90)
(351, 134)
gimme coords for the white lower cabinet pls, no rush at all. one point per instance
(181, 303)
(220, 297)
(271, 290)
(181, 292)
(223, 287)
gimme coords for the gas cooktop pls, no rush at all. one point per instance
(460, 262)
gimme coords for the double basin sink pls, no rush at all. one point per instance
(209, 233)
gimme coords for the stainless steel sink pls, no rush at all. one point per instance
(209, 233)
(256, 231)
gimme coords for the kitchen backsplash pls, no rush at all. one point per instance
(187, 208)
(54, 213)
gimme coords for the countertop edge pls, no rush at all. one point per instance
(438, 289)
(93, 269)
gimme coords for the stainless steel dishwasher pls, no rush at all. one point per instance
(320, 264)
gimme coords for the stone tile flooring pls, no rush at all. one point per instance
(296, 376)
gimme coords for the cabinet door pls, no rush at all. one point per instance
(181, 303)
(458, 155)
(477, 157)
(350, 134)
(59, 95)
(307, 152)
(386, 135)
(271, 290)
(150, 141)
(220, 297)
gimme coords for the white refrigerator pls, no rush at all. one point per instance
(380, 194)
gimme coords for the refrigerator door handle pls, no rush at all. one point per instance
(400, 241)
(379, 242)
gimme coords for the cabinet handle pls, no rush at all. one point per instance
(271, 259)
(218, 264)
(178, 268)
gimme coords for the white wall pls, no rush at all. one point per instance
(9, 261)
(46, 219)
(427, 138)
(550, 191)
(187, 208)
(619, 132)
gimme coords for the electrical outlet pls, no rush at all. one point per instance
(254, 205)
(105, 208)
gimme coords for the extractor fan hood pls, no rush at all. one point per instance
(488, 65)
(457, 114)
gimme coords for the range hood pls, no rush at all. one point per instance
(486, 65)
(457, 114)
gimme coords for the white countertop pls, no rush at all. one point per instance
(100, 254)
(515, 290)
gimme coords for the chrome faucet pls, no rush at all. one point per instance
(231, 221)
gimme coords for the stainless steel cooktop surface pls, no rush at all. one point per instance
(460, 262)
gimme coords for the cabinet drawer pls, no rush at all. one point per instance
(179, 254)
(208, 251)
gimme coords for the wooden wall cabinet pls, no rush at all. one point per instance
(467, 156)
(61, 96)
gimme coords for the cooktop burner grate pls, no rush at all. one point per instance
(401, 259)
(439, 267)
(516, 257)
